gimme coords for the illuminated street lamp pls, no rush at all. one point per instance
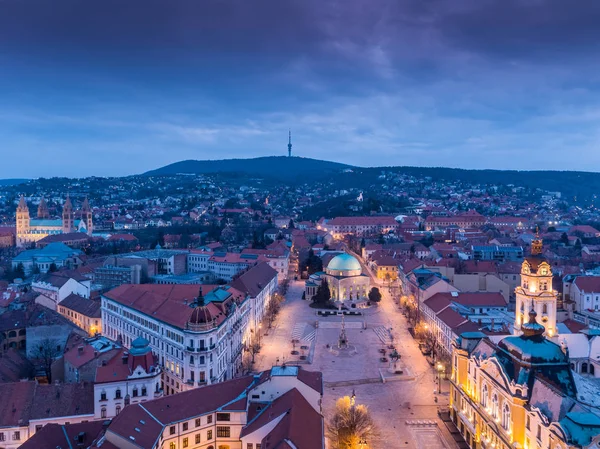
(440, 370)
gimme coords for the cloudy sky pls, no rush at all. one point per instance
(113, 87)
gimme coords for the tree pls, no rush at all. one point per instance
(19, 272)
(374, 295)
(52, 268)
(564, 239)
(323, 294)
(350, 425)
(45, 354)
(291, 224)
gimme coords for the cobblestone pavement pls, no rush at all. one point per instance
(394, 405)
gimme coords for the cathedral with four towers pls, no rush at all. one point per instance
(30, 230)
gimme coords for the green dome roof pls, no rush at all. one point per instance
(344, 262)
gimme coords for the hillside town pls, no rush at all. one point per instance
(204, 311)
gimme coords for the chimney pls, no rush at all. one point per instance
(125, 358)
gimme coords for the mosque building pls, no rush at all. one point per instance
(30, 230)
(344, 278)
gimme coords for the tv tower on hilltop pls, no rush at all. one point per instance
(290, 144)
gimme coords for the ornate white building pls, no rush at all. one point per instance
(344, 278)
(30, 230)
(198, 332)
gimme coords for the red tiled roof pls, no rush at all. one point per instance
(136, 417)
(489, 299)
(116, 370)
(574, 326)
(163, 302)
(65, 436)
(588, 283)
(253, 281)
(437, 302)
(85, 306)
(451, 318)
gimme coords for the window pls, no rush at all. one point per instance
(103, 396)
(172, 430)
(143, 391)
(197, 438)
(495, 406)
(249, 446)
(135, 392)
(539, 432)
(209, 419)
(198, 422)
(117, 409)
(209, 435)
(223, 417)
(258, 446)
(506, 417)
(17, 435)
(545, 307)
(185, 426)
(103, 413)
(185, 442)
(1, 436)
(223, 432)
(172, 445)
(528, 423)
(118, 394)
(484, 396)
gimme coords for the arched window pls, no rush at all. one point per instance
(506, 417)
(118, 393)
(495, 406)
(484, 396)
(572, 366)
(584, 367)
(545, 308)
(592, 369)
(102, 412)
(12, 334)
(117, 409)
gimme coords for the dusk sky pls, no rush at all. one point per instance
(117, 87)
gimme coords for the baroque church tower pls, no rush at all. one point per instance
(67, 217)
(23, 220)
(535, 292)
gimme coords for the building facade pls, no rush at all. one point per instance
(519, 393)
(198, 332)
(30, 230)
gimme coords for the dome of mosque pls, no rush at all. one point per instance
(344, 263)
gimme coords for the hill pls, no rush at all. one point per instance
(12, 182)
(279, 167)
(578, 187)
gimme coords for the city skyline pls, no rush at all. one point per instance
(105, 89)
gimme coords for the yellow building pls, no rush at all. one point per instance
(83, 312)
(386, 268)
(519, 392)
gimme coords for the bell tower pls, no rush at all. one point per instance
(86, 216)
(23, 223)
(535, 292)
(43, 211)
(67, 216)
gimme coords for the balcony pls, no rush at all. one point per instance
(201, 383)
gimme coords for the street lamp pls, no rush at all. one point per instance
(440, 369)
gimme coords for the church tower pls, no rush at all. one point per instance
(67, 217)
(23, 222)
(43, 212)
(86, 216)
(535, 292)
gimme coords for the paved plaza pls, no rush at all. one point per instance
(404, 409)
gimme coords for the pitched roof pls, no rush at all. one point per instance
(588, 283)
(85, 306)
(63, 436)
(253, 281)
(163, 302)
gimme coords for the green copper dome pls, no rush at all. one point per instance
(344, 262)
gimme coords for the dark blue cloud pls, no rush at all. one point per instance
(473, 83)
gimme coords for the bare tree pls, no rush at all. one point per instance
(272, 310)
(45, 354)
(350, 425)
(247, 363)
